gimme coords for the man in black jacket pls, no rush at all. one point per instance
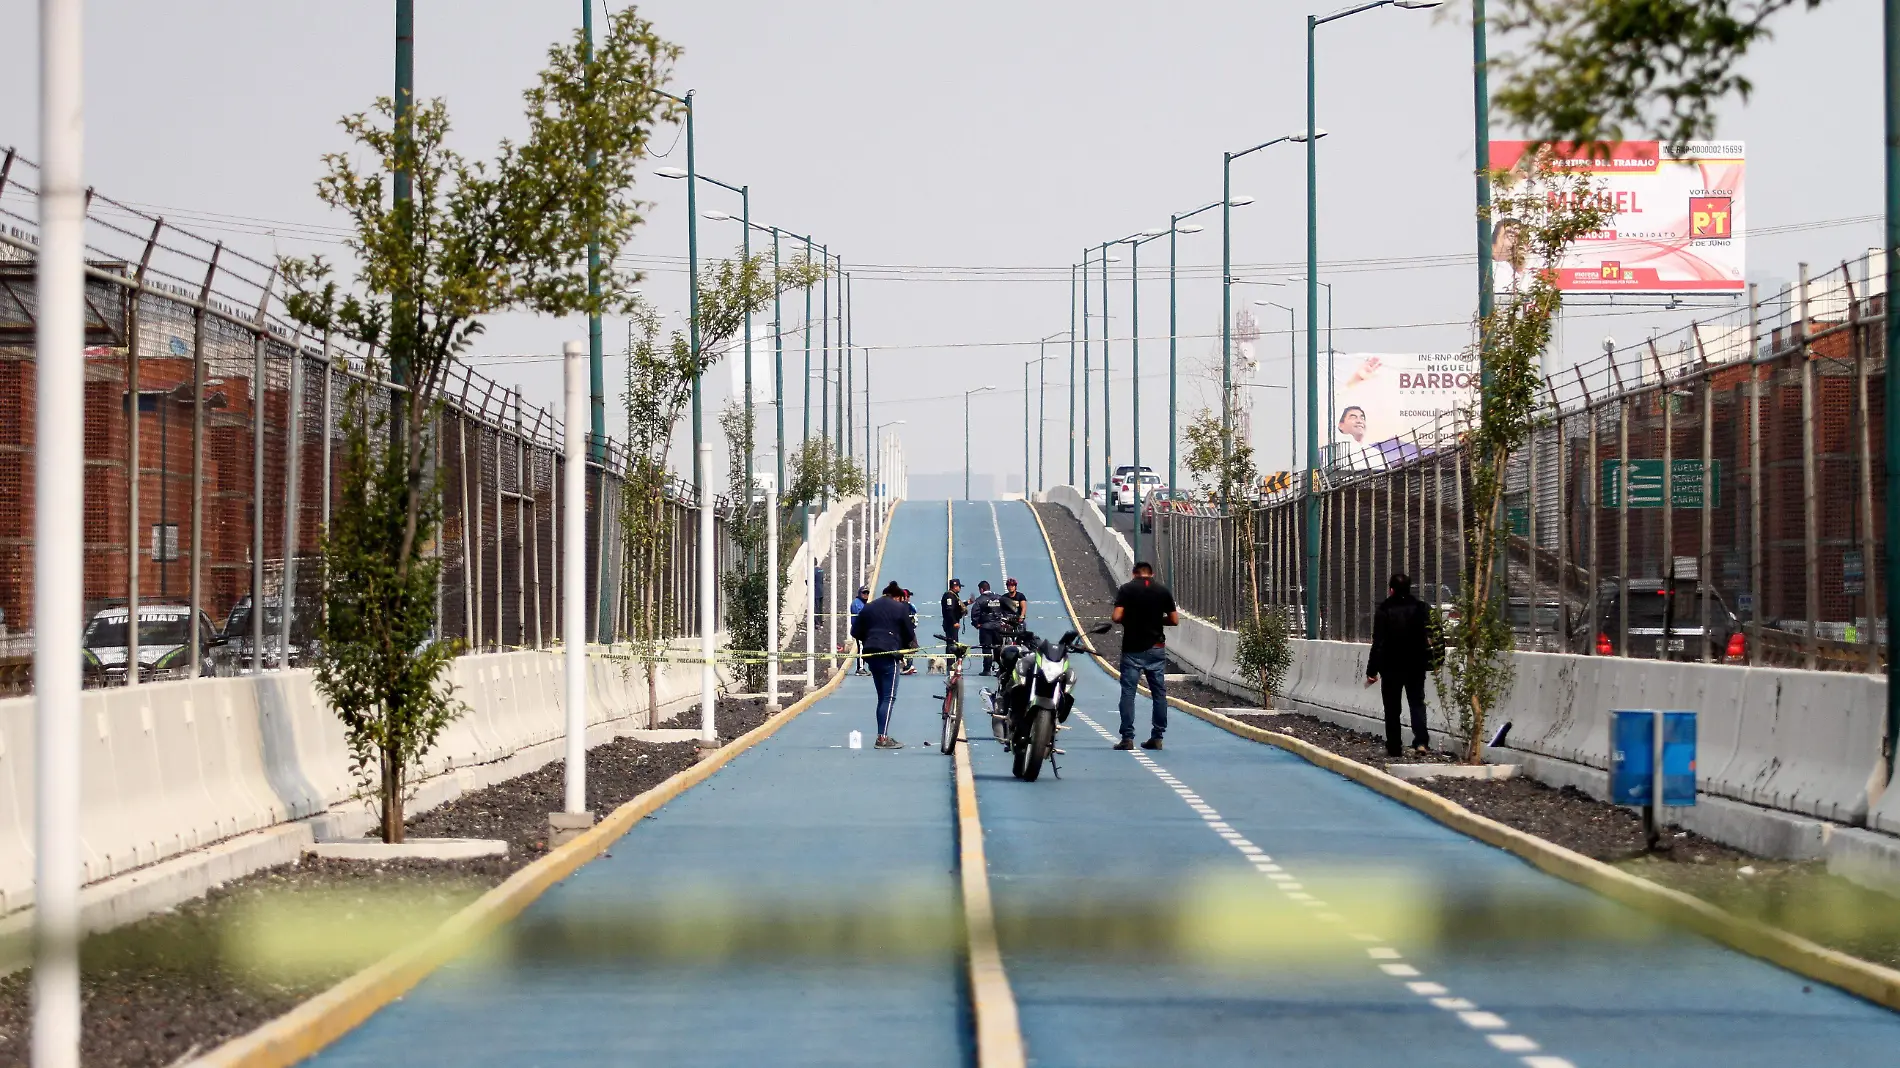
(885, 626)
(987, 614)
(1401, 655)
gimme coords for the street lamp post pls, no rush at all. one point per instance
(1071, 374)
(1134, 242)
(1174, 335)
(1313, 23)
(1042, 406)
(966, 435)
(1292, 394)
(1229, 202)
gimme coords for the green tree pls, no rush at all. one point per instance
(659, 386)
(1590, 70)
(1552, 208)
(473, 239)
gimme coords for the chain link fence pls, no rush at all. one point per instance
(213, 450)
(1714, 494)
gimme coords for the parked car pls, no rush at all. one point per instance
(234, 652)
(1126, 492)
(1543, 632)
(1666, 623)
(164, 644)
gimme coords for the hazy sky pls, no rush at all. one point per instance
(959, 157)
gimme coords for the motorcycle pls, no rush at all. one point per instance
(1033, 698)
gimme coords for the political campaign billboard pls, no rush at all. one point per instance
(1677, 221)
(1380, 399)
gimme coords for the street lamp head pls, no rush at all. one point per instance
(715, 216)
(1239, 202)
(1300, 135)
(1417, 5)
(1154, 233)
(670, 172)
(1111, 259)
(1191, 228)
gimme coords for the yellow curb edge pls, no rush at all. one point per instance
(999, 1036)
(308, 1028)
(1865, 979)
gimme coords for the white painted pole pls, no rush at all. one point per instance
(59, 474)
(574, 562)
(832, 581)
(708, 680)
(773, 575)
(811, 612)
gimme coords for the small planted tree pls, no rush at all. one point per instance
(439, 242)
(1550, 209)
(658, 388)
(1264, 651)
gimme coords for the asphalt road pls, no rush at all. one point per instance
(1300, 917)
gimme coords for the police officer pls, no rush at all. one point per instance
(954, 609)
(989, 615)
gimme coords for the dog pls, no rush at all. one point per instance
(937, 666)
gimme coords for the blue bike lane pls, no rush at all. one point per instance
(800, 816)
(1214, 806)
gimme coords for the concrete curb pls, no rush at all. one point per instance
(1858, 977)
(308, 1028)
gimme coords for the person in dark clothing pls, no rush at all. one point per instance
(988, 615)
(908, 667)
(1143, 607)
(954, 609)
(1401, 655)
(885, 626)
(857, 605)
(1017, 604)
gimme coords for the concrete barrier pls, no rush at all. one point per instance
(1802, 742)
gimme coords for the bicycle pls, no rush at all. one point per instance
(952, 695)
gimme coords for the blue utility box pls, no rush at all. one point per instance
(1643, 765)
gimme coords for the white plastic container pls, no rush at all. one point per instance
(857, 739)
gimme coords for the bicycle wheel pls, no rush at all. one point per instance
(952, 716)
(1042, 737)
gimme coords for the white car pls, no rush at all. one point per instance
(1099, 495)
(1125, 500)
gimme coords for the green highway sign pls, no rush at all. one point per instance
(1646, 484)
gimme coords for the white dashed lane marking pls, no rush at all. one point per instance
(1389, 960)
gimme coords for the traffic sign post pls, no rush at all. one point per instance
(1652, 763)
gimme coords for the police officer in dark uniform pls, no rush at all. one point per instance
(954, 609)
(989, 615)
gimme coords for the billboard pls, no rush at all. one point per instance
(1677, 222)
(1380, 398)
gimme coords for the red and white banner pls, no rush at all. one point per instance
(1676, 226)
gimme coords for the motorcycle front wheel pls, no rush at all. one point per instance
(952, 717)
(1042, 737)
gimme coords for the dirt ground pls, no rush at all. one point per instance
(178, 984)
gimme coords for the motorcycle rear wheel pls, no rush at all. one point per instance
(1042, 738)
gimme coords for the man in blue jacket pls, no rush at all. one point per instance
(885, 626)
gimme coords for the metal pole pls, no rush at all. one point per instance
(745, 266)
(1866, 480)
(259, 399)
(132, 459)
(1667, 567)
(1072, 376)
(966, 446)
(1174, 332)
(778, 388)
(773, 575)
(1705, 551)
(1134, 391)
(1810, 517)
(596, 372)
(574, 583)
(1042, 414)
(1087, 433)
(708, 680)
(1227, 314)
(1622, 521)
(1108, 408)
(58, 523)
(701, 471)
(1312, 327)
(1026, 428)
(1481, 145)
(293, 500)
(1891, 71)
